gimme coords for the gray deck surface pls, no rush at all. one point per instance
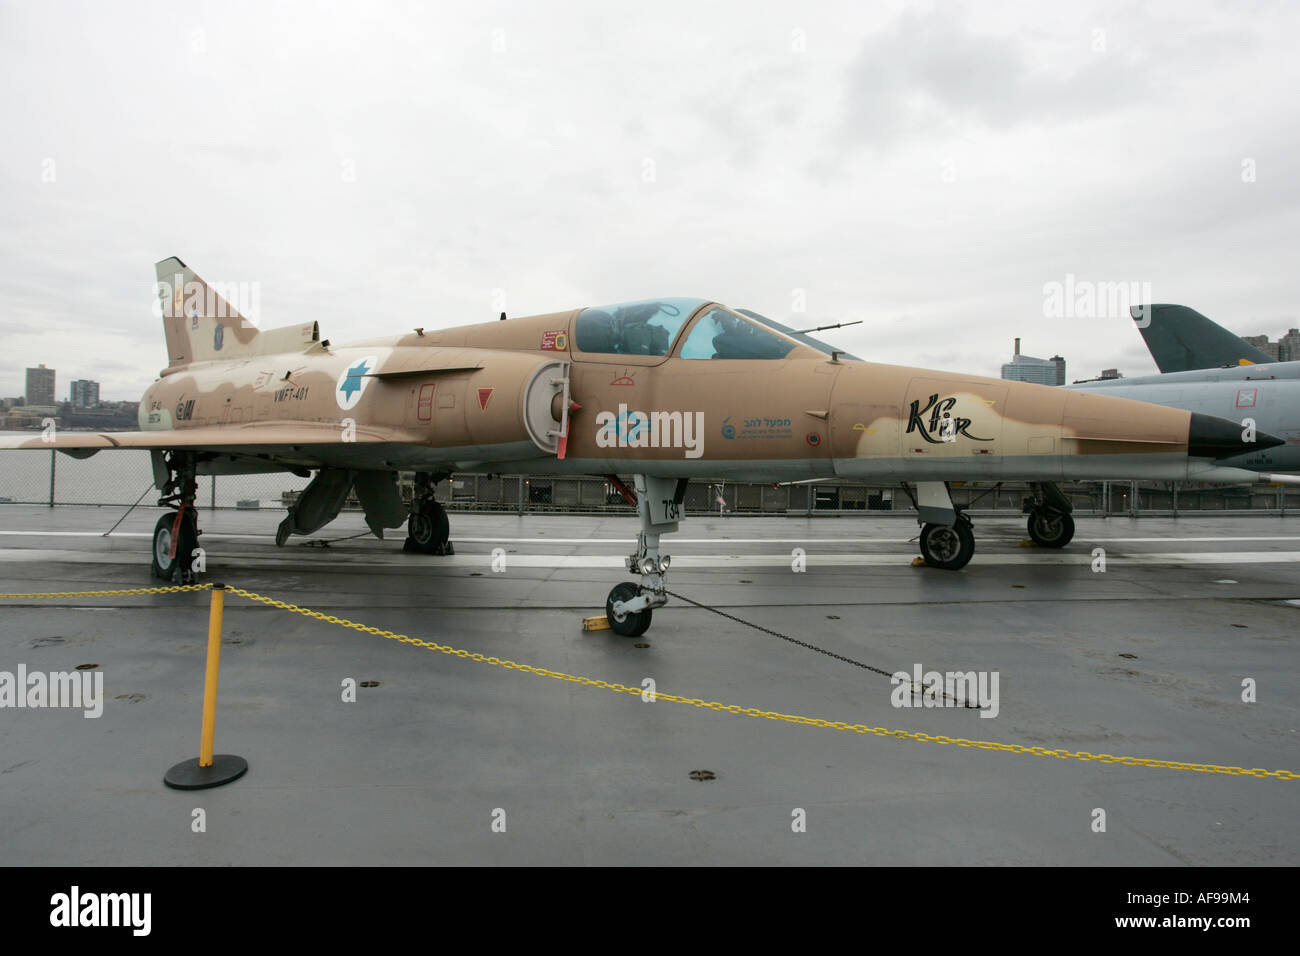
(412, 772)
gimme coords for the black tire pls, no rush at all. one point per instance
(1051, 529)
(163, 564)
(631, 625)
(949, 548)
(427, 529)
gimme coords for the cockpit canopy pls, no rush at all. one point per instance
(650, 327)
(722, 334)
(634, 328)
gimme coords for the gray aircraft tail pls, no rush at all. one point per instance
(1181, 339)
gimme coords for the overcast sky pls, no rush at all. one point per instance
(926, 168)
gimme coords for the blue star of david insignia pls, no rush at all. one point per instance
(353, 382)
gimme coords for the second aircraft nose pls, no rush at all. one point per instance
(1211, 437)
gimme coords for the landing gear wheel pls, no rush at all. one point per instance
(164, 565)
(949, 548)
(428, 528)
(1050, 529)
(629, 625)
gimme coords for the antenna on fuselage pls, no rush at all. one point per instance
(823, 328)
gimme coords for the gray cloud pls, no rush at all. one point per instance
(927, 72)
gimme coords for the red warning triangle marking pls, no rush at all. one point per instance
(484, 396)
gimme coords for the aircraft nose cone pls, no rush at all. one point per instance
(1210, 437)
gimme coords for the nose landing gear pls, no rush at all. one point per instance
(629, 606)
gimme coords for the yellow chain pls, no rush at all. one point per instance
(771, 715)
(77, 594)
(693, 701)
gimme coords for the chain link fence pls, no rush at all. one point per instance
(123, 477)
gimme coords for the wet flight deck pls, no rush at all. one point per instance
(456, 761)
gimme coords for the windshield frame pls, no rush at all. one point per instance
(801, 349)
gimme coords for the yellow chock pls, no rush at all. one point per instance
(208, 769)
(918, 562)
(600, 623)
(1028, 543)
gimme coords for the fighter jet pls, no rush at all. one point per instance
(661, 390)
(1219, 377)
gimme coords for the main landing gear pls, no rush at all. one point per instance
(427, 528)
(947, 539)
(659, 508)
(949, 547)
(1050, 523)
(176, 535)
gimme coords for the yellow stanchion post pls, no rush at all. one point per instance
(212, 676)
(208, 769)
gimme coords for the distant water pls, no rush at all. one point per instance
(118, 477)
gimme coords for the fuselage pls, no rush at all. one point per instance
(672, 387)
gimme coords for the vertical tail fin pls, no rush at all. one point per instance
(200, 324)
(1180, 339)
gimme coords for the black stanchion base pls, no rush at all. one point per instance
(188, 775)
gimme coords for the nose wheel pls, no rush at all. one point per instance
(626, 623)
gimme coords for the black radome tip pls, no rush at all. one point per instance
(1211, 437)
